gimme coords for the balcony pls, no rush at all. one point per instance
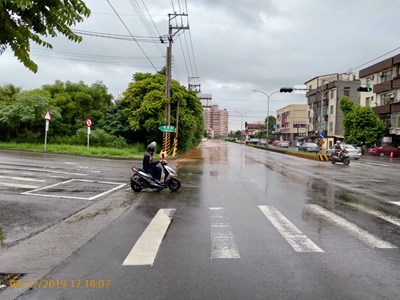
(381, 110)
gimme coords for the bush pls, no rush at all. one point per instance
(98, 137)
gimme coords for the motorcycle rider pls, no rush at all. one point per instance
(150, 166)
(339, 149)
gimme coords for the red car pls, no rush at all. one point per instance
(385, 150)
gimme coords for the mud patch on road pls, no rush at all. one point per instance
(91, 216)
(2, 237)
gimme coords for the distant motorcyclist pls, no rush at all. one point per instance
(149, 165)
(338, 149)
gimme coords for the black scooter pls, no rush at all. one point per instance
(140, 179)
(341, 157)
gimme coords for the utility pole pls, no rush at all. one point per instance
(193, 86)
(172, 31)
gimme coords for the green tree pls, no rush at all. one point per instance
(78, 101)
(145, 110)
(361, 125)
(271, 123)
(26, 114)
(25, 20)
(8, 96)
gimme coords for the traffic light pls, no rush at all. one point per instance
(286, 90)
(364, 89)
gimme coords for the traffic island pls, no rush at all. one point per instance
(313, 156)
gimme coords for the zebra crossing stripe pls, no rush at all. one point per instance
(223, 243)
(296, 239)
(375, 213)
(353, 229)
(146, 247)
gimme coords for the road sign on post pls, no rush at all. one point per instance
(47, 117)
(166, 128)
(89, 124)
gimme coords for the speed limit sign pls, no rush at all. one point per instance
(89, 122)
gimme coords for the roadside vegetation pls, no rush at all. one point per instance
(2, 237)
(120, 127)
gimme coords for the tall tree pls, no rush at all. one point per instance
(145, 110)
(25, 20)
(361, 125)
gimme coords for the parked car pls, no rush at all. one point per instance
(283, 144)
(349, 149)
(384, 150)
(309, 147)
(275, 143)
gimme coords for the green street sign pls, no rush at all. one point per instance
(166, 128)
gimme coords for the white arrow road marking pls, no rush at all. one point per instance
(353, 229)
(296, 239)
(223, 243)
(395, 203)
(146, 247)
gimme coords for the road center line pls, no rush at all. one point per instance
(146, 247)
(353, 229)
(223, 243)
(296, 239)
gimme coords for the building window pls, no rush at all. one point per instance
(386, 75)
(368, 101)
(331, 110)
(332, 94)
(331, 127)
(346, 92)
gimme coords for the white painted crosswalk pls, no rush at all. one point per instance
(223, 243)
(299, 241)
(353, 229)
(145, 249)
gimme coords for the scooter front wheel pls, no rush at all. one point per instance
(174, 184)
(346, 162)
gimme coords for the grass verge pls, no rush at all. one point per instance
(129, 152)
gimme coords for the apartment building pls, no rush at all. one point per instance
(216, 121)
(384, 78)
(291, 122)
(324, 116)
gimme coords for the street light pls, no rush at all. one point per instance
(268, 96)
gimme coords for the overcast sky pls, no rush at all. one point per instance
(233, 46)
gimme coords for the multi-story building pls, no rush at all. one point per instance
(291, 122)
(216, 121)
(324, 116)
(384, 78)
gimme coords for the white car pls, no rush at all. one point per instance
(283, 144)
(349, 149)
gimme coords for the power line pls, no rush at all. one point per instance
(144, 39)
(375, 58)
(132, 35)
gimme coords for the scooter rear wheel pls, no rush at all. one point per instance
(135, 186)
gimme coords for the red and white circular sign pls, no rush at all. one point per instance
(89, 122)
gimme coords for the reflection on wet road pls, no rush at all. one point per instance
(250, 224)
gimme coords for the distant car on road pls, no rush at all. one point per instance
(275, 143)
(349, 149)
(283, 144)
(309, 147)
(385, 150)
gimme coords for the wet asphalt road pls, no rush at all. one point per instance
(247, 224)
